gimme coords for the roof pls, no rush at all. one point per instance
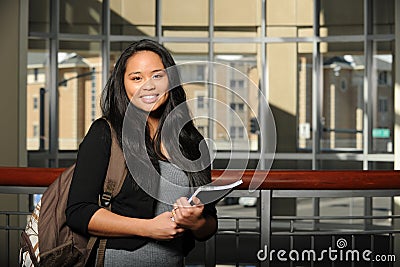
(65, 60)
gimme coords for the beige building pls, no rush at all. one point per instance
(79, 88)
(79, 95)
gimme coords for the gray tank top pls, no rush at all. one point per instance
(174, 184)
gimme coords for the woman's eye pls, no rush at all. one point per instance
(157, 76)
(136, 78)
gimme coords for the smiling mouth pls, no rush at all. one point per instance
(149, 99)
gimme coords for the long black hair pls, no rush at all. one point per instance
(114, 106)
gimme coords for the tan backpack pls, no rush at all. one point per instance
(47, 240)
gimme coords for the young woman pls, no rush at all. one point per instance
(143, 228)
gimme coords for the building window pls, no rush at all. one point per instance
(236, 132)
(35, 130)
(236, 84)
(237, 106)
(343, 85)
(232, 132)
(200, 102)
(241, 132)
(36, 74)
(200, 73)
(35, 102)
(383, 105)
(232, 84)
(382, 78)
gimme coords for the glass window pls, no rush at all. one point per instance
(383, 98)
(201, 72)
(290, 98)
(133, 17)
(304, 91)
(286, 164)
(191, 60)
(116, 49)
(242, 20)
(379, 165)
(288, 18)
(35, 130)
(383, 16)
(342, 107)
(37, 88)
(341, 17)
(35, 74)
(82, 17)
(187, 19)
(227, 94)
(35, 102)
(383, 104)
(39, 16)
(240, 132)
(232, 132)
(334, 164)
(200, 101)
(79, 88)
(235, 63)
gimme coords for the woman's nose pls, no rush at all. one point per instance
(148, 85)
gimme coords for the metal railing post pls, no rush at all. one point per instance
(265, 224)
(210, 252)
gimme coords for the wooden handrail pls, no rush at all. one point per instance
(274, 179)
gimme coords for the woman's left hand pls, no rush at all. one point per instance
(188, 216)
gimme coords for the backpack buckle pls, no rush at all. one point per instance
(105, 199)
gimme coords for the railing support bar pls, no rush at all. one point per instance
(265, 223)
(210, 251)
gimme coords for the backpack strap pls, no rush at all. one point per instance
(116, 173)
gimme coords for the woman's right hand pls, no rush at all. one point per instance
(162, 227)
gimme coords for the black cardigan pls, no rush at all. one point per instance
(87, 184)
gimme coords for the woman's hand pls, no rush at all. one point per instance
(162, 227)
(192, 218)
(188, 216)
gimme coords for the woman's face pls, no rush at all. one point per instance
(145, 80)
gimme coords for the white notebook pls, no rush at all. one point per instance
(213, 193)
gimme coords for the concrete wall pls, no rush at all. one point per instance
(13, 83)
(13, 29)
